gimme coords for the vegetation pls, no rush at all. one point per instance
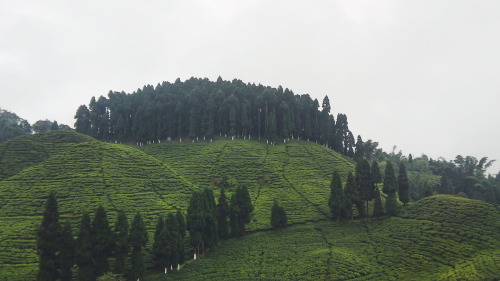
(438, 238)
(278, 216)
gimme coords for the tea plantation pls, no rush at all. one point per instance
(437, 238)
(85, 173)
(441, 237)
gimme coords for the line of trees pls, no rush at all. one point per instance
(200, 108)
(95, 243)
(207, 222)
(361, 188)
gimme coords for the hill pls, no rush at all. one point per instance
(85, 172)
(437, 238)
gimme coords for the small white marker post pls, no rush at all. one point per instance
(178, 267)
(165, 270)
(195, 256)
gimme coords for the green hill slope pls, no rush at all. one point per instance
(437, 238)
(85, 172)
(297, 173)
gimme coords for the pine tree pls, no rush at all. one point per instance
(360, 151)
(375, 170)
(222, 213)
(67, 253)
(83, 250)
(364, 183)
(181, 222)
(48, 241)
(211, 236)
(102, 240)
(337, 200)
(160, 243)
(173, 238)
(195, 221)
(403, 185)
(390, 185)
(378, 209)
(245, 207)
(278, 216)
(122, 246)
(234, 211)
(352, 194)
(138, 239)
(391, 204)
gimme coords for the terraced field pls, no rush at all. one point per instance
(437, 238)
(297, 173)
(85, 172)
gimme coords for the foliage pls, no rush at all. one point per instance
(378, 209)
(83, 250)
(222, 215)
(12, 125)
(390, 185)
(122, 245)
(436, 238)
(403, 185)
(337, 202)
(103, 241)
(48, 241)
(138, 239)
(278, 216)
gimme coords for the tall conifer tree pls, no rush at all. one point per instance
(102, 240)
(222, 214)
(83, 250)
(138, 239)
(403, 185)
(48, 241)
(122, 246)
(337, 201)
(67, 253)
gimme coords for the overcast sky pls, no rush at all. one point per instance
(422, 75)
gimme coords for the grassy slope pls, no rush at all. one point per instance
(85, 173)
(437, 238)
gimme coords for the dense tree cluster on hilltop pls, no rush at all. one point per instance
(199, 108)
(12, 126)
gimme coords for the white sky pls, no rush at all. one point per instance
(422, 75)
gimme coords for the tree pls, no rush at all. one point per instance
(102, 241)
(445, 186)
(378, 209)
(352, 195)
(160, 243)
(66, 253)
(360, 151)
(210, 237)
(390, 185)
(138, 239)
(222, 214)
(245, 207)
(48, 241)
(181, 222)
(195, 220)
(83, 250)
(337, 201)
(375, 172)
(403, 185)
(234, 211)
(391, 204)
(122, 246)
(278, 216)
(173, 238)
(364, 183)
(42, 126)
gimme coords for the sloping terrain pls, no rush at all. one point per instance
(297, 173)
(84, 175)
(437, 238)
(85, 172)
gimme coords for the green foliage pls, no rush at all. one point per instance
(111, 277)
(378, 209)
(278, 216)
(403, 185)
(391, 204)
(84, 250)
(122, 245)
(437, 238)
(222, 215)
(160, 244)
(390, 185)
(351, 192)
(12, 125)
(337, 202)
(138, 239)
(103, 241)
(66, 253)
(48, 241)
(375, 172)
